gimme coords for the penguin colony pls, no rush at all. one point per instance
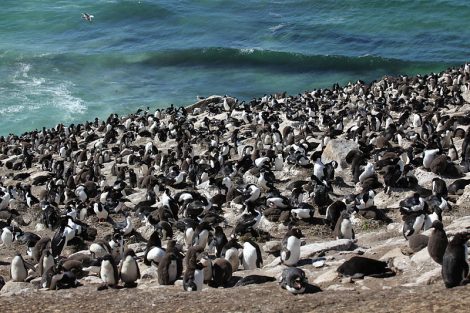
(206, 185)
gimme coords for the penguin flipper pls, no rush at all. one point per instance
(287, 254)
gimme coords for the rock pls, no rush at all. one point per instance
(274, 263)
(466, 96)
(146, 231)
(326, 277)
(202, 104)
(340, 288)
(137, 247)
(311, 250)
(150, 273)
(16, 288)
(272, 246)
(461, 224)
(465, 197)
(40, 227)
(396, 252)
(336, 150)
(36, 282)
(430, 277)
(346, 280)
(80, 253)
(424, 177)
(91, 280)
(422, 257)
(317, 263)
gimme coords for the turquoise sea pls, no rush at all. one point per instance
(56, 67)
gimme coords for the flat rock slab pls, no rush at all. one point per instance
(311, 250)
(16, 288)
(336, 150)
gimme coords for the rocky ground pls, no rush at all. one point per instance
(417, 285)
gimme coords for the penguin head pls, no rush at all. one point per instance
(437, 225)
(296, 232)
(129, 252)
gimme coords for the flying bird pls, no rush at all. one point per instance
(87, 17)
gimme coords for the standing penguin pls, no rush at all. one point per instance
(129, 269)
(222, 272)
(18, 269)
(293, 280)
(46, 262)
(219, 240)
(154, 251)
(454, 262)
(438, 241)
(201, 234)
(170, 266)
(108, 272)
(194, 275)
(343, 229)
(251, 257)
(290, 253)
(230, 253)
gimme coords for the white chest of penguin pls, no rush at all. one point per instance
(172, 270)
(18, 270)
(107, 273)
(199, 278)
(293, 245)
(249, 257)
(346, 229)
(129, 270)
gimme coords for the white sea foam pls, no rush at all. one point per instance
(27, 94)
(277, 27)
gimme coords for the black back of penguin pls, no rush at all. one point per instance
(454, 263)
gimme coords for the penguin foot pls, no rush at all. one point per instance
(102, 287)
(130, 285)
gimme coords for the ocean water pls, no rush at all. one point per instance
(56, 67)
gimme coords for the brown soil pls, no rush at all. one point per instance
(266, 298)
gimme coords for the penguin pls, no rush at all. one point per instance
(369, 171)
(46, 262)
(108, 272)
(193, 278)
(359, 266)
(219, 240)
(254, 279)
(221, 272)
(231, 254)
(439, 187)
(154, 252)
(42, 244)
(294, 280)
(201, 234)
(187, 226)
(343, 228)
(251, 255)
(333, 212)
(129, 269)
(100, 211)
(458, 186)
(7, 236)
(19, 268)
(365, 200)
(303, 211)
(438, 241)
(429, 156)
(454, 263)
(290, 253)
(170, 267)
(413, 222)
